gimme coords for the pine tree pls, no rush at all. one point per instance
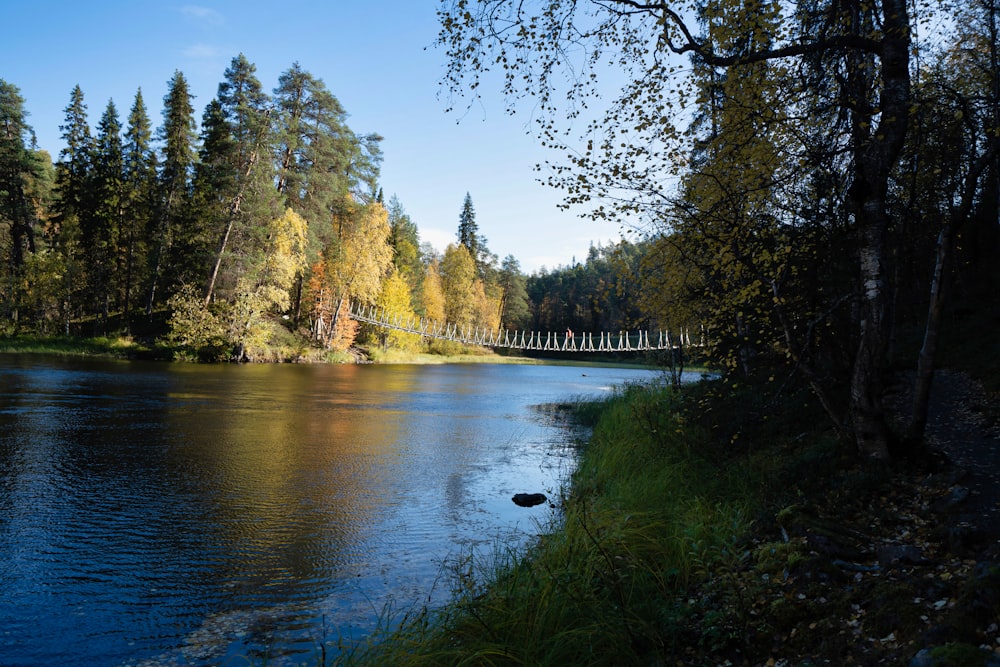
(243, 163)
(365, 167)
(313, 157)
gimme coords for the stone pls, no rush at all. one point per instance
(529, 499)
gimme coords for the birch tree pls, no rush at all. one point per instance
(559, 54)
(352, 268)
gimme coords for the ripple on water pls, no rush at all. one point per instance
(189, 515)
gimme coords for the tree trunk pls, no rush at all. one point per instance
(334, 321)
(297, 300)
(943, 258)
(876, 152)
(210, 289)
(925, 362)
(867, 413)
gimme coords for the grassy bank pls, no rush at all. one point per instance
(128, 348)
(656, 508)
(115, 347)
(725, 525)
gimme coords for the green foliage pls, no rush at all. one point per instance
(515, 307)
(314, 149)
(405, 243)
(73, 346)
(140, 201)
(176, 235)
(101, 228)
(41, 294)
(604, 293)
(128, 230)
(194, 328)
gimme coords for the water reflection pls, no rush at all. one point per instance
(179, 514)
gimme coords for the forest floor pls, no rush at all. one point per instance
(903, 570)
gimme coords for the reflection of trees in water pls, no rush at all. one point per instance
(211, 493)
(284, 466)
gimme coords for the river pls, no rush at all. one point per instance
(159, 514)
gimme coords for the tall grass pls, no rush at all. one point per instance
(651, 508)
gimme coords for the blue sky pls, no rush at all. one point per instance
(376, 57)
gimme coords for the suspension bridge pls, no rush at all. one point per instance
(606, 341)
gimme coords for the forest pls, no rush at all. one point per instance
(812, 186)
(816, 183)
(246, 239)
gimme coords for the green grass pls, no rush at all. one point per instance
(652, 508)
(118, 347)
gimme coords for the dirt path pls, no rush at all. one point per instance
(964, 424)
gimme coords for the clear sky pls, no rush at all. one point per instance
(377, 57)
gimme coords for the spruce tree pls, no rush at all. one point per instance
(17, 166)
(100, 232)
(139, 205)
(468, 230)
(171, 242)
(213, 187)
(313, 157)
(405, 243)
(474, 242)
(73, 202)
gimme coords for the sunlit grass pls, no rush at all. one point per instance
(119, 346)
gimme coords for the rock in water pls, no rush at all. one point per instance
(529, 499)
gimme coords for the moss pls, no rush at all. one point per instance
(779, 558)
(957, 654)
(893, 610)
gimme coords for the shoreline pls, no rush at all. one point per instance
(124, 349)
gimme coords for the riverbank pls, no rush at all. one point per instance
(114, 348)
(126, 348)
(729, 526)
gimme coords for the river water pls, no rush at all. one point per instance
(174, 514)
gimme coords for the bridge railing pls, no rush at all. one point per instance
(605, 341)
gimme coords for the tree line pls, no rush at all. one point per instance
(810, 175)
(222, 237)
